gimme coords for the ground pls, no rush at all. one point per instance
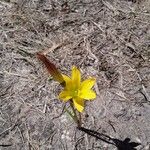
(106, 39)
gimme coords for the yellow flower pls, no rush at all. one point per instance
(77, 90)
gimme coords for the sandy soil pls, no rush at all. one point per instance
(107, 39)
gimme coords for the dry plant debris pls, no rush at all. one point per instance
(108, 39)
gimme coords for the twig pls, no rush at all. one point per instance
(55, 46)
(98, 26)
(60, 113)
(6, 132)
(45, 105)
(96, 88)
(88, 48)
(14, 74)
(147, 98)
(110, 7)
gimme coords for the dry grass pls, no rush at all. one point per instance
(106, 39)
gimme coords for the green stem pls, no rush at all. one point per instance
(70, 114)
(75, 117)
(77, 120)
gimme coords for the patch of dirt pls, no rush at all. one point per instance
(106, 39)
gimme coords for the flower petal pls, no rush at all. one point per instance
(88, 84)
(66, 78)
(78, 103)
(76, 77)
(65, 96)
(68, 82)
(87, 94)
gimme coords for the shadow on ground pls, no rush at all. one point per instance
(121, 145)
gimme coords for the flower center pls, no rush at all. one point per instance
(75, 93)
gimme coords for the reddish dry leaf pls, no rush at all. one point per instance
(51, 68)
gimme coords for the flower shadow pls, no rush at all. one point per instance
(121, 145)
